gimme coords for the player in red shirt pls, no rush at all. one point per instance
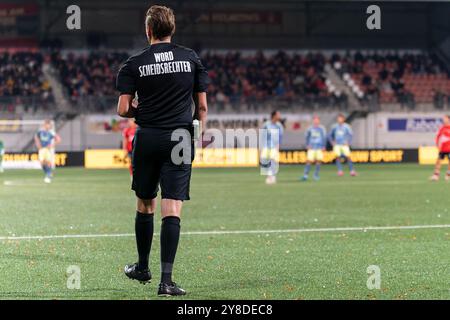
(443, 143)
(127, 144)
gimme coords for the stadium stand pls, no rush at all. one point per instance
(255, 78)
(22, 82)
(236, 79)
(240, 80)
(395, 78)
(84, 75)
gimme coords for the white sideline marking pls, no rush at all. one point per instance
(22, 183)
(224, 232)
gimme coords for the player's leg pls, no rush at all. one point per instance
(274, 164)
(437, 168)
(175, 184)
(144, 230)
(48, 169)
(317, 171)
(351, 166)
(447, 176)
(269, 161)
(309, 161)
(319, 159)
(45, 160)
(143, 227)
(347, 155)
(146, 169)
(1, 161)
(170, 237)
(338, 151)
(306, 171)
(266, 163)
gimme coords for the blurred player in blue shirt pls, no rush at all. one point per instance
(340, 137)
(270, 145)
(45, 140)
(316, 140)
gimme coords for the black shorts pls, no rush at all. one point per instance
(442, 155)
(152, 166)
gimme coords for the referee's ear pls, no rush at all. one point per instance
(148, 32)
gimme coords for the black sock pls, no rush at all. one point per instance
(170, 235)
(144, 236)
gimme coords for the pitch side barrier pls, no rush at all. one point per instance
(249, 157)
(357, 156)
(217, 158)
(29, 160)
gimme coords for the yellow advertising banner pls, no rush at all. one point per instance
(106, 159)
(358, 156)
(226, 158)
(429, 155)
(116, 158)
(241, 157)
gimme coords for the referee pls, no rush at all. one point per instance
(168, 79)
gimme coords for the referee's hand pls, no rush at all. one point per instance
(134, 103)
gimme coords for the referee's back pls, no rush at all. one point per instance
(168, 79)
(164, 76)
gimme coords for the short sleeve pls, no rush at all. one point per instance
(201, 80)
(126, 82)
(281, 128)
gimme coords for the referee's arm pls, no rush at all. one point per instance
(125, 106)
(201, 82)
(201, 106)
(126, 84)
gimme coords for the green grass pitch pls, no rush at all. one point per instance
(319, 264)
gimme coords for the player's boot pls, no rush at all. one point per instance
(340, 173)
(434, 177)
(304, 178)
(47, 180)
(170, 289)
(316, 177)
(353, 173)
(132, 272)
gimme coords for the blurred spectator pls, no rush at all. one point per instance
(438, 99)
(91, 74)
(22, 82)
(258, 77)
(404, 78)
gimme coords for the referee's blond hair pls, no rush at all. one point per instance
(161, 21)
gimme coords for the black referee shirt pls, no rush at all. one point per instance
(165, 76)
